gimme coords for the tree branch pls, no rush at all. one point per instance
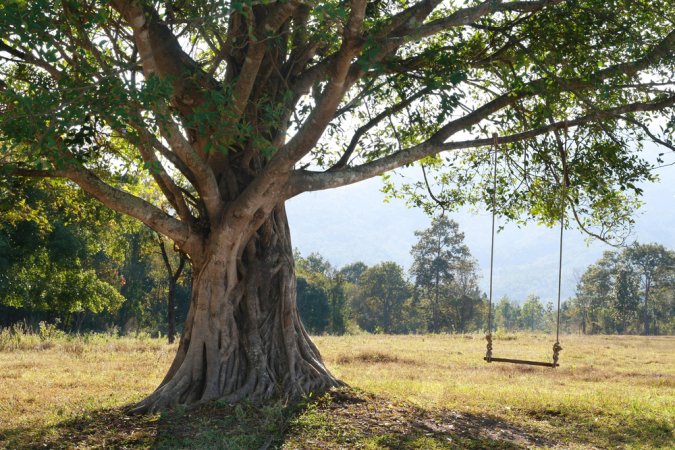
(310, 131)
(206, 183)
(467, 16)
(302, 180)
(372, 123)
(28, 58)
(530, 89)
(155, 143)
(436, 143)
(648, 132)
(171, 191)
(131, 205)
(34, 173)
(388, 39)
(116, 199)
(161, 54)
(255, 54)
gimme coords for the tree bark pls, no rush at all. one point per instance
(243, 337)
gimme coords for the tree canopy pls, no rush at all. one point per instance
(332, 93)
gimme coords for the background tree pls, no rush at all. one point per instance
(147, 286)
(65, 258)
(313, 306)
(314, 263)
(470, 307)
(532, 313)
(446, 276)
(618, 291)
(352, 272)
(655, 267)
(594, 294)
(324, 301)
(172, 276)
(232, 108)
(60, 254)
(624, 300)
(507, 314)
(137, 271)
(338, 304)
(664, 309)
(380, 301)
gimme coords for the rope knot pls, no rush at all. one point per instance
(556, 352)
(488, 351)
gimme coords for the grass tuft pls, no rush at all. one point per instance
(372, 357)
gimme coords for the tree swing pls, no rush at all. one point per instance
(556, 346)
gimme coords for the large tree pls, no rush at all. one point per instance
(654, 266)
(445, 275)
(380, 299)
(233, 107)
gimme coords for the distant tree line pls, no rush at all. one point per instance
(531, 315)
(83, 267)
(627, 292)
(440, 294)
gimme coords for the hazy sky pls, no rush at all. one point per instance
(354, 224)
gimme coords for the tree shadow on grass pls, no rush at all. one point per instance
(629, 431)
(106, 428)
(349, 420)
(212, 426)
(343, 419)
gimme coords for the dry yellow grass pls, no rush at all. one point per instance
(47, 382)
(611, 391)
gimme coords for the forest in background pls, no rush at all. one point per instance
(69, 262)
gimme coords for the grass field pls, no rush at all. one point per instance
(408, 392)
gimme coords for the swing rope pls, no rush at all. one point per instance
(488, 353)
(557, 347)
(488, 337)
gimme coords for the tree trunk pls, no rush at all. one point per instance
(172, 279)
(243, 337)
(645, 312)
(79, 320)
(171, 311)
(583, 325)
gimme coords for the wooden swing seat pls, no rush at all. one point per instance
(522, 361)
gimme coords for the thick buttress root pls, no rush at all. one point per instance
(243, 338)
